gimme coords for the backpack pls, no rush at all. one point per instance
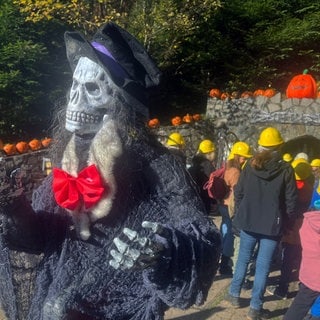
(216, 186)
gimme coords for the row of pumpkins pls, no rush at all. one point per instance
(24, 146)
(300, 86)
(175, 121)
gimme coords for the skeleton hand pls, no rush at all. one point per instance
(138, 251)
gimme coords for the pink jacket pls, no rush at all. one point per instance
(310, 240)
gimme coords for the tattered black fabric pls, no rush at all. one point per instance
(58, 264)
(74, 278)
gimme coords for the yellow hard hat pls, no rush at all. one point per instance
(270, 137)
(302, 169)
(175, 139)
(287, 157)
(206, 146)
(241, 148)
(315, 163)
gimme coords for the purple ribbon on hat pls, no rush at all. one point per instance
(109, 60)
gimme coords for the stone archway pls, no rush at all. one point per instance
(298, 120)
(306, 143)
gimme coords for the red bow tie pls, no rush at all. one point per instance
(71, 191)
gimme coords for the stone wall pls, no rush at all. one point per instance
(298, 120)
(246, 117)
(35, 166)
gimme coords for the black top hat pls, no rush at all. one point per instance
(124, 59)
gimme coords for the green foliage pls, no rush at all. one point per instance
(271, 41)
(24, 63)
(235, 45)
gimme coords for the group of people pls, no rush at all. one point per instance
(272, 206)
(119, 227)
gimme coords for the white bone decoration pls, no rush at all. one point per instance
(91, 92)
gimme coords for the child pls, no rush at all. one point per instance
(309, 274)
(291, 247)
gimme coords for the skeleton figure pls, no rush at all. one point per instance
(120, 228)
(91, 94)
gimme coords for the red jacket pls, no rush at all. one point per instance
(310, 240)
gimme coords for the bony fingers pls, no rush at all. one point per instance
(153, 226)
(131, 234)
(134, 237)
(121, 246)
(117, 256)
(133, 254)
(121, 261)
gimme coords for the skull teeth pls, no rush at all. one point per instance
(81, 117)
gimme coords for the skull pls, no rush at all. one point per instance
(91, 93)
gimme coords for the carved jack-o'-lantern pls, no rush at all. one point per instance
(302, 86)
(215, 93)
(154, 123)
(176, 121)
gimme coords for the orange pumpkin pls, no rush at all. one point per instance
(224, 96)
(302, 86)
(176, 121)
(258, 92)
(246, 94)
(215, 93)
(22, 147)
(269, 92)
(318, 94)
(35, 144)
(187, 118)
(196, 117)
(154, 123)
(10, 149)
(46, 142)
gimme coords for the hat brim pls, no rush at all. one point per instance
(129, 66)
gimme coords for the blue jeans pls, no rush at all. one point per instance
(267, 246)
(226, 232)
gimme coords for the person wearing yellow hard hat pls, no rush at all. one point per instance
(265, 196)
(287, 157)
(302, 155)
(201, 167)
(239, 154)
(315, 166)
(302, 169)
(290, 242)
(270, 137)
(176, 144)
(315, 163)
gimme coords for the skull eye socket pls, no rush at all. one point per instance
(92, 88)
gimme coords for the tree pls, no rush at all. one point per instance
(234, 45)
(25, 70)
(169, 29)
(269, 41)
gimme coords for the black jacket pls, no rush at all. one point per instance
(265, 198)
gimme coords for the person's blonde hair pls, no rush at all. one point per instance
(234, 162)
